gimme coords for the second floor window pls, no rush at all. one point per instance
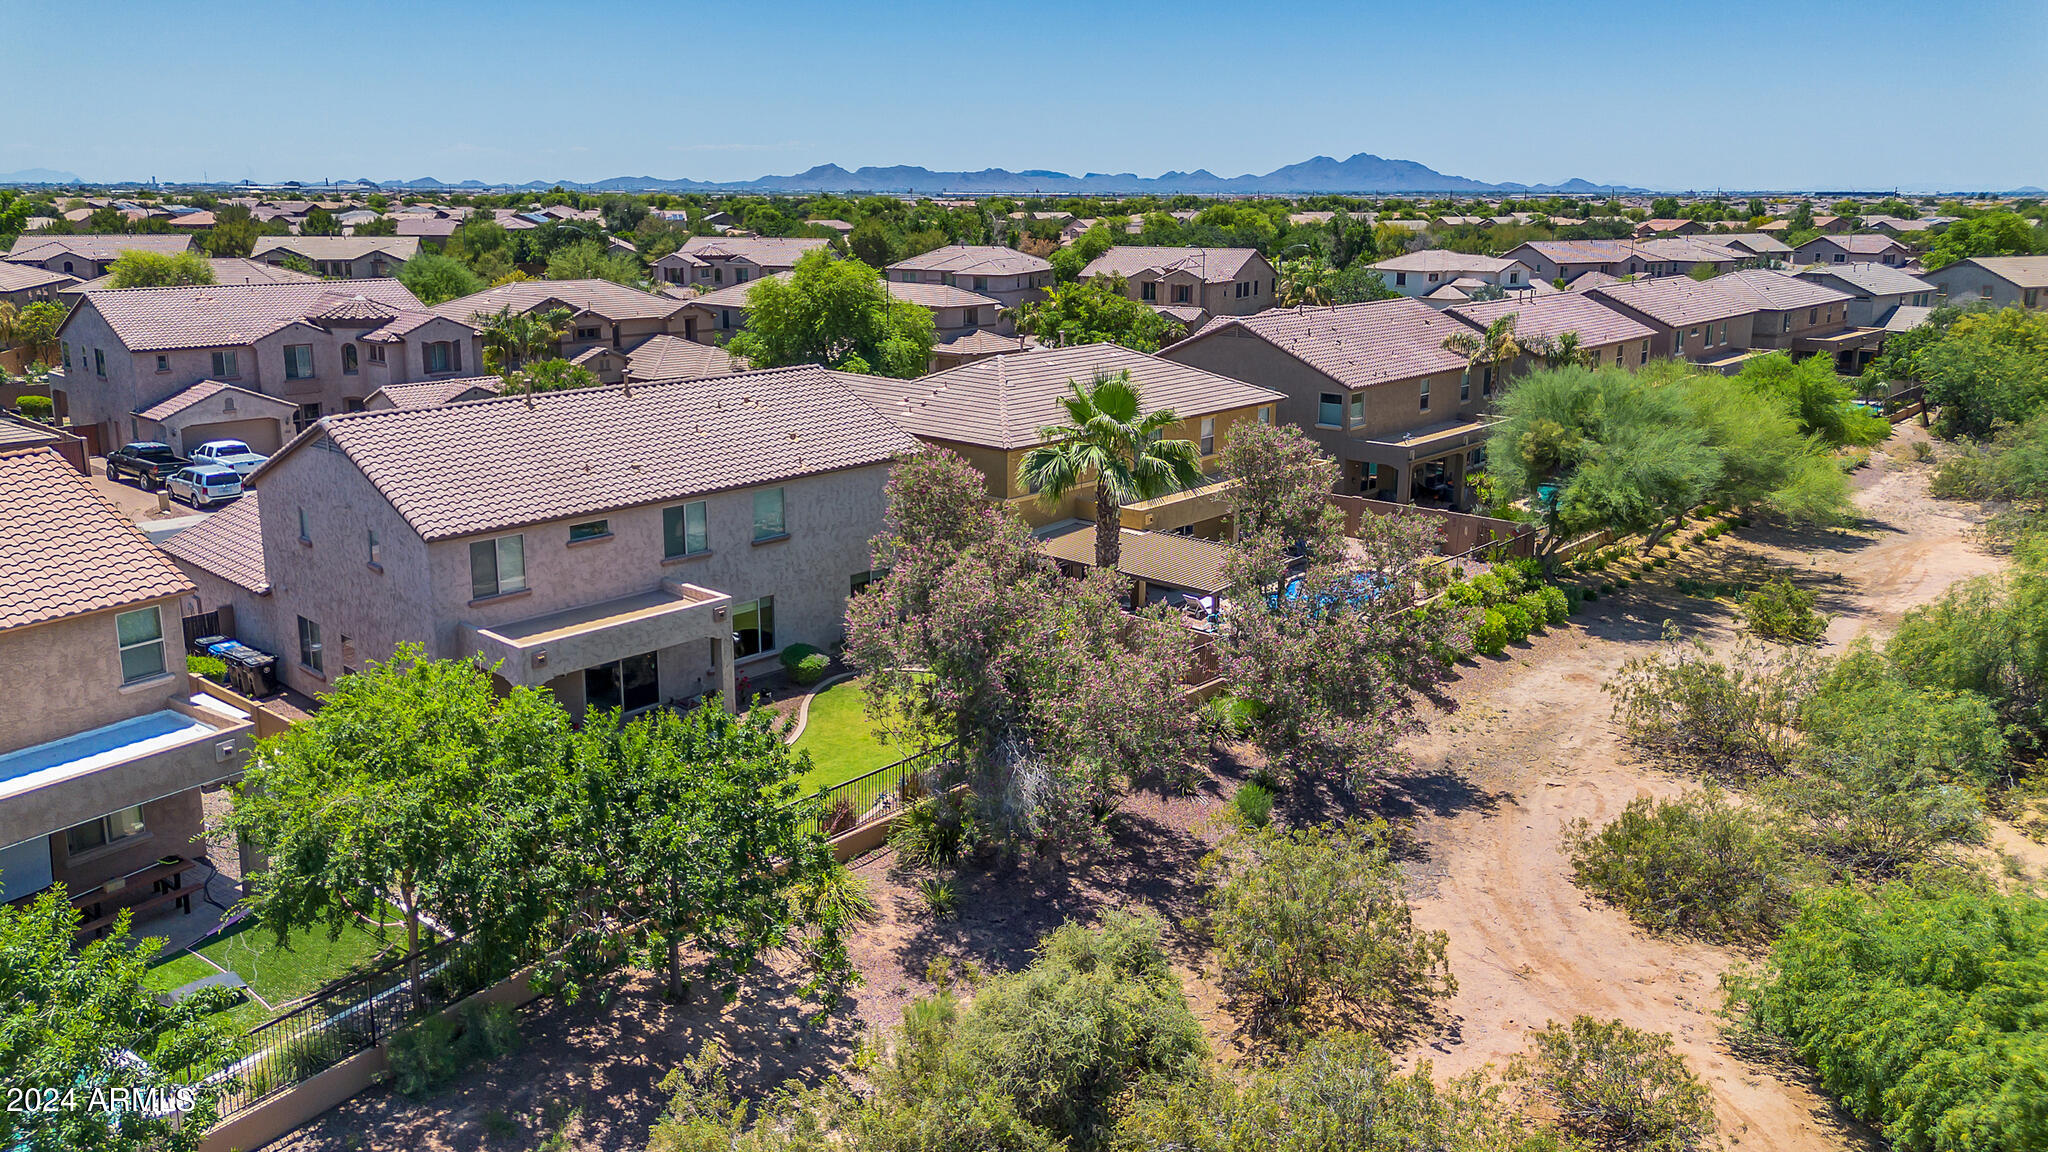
(141, 637)
(1182, 293)
(298, 361)
(349, 365)
(684, 530)
(497, 567)
(768, 522)
(442, 356)
(589, 530)
(376, 549)
(1358, 407)
(310, 649)
(1330, 409)
(99, 363)
(1149, 291)
(1425, 395)
(1208, 435)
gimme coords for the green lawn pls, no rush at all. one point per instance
(278, 974)
(839, 738)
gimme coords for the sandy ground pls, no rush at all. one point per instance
(1534, 741)
(1528, 749)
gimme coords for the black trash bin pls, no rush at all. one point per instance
(250, 672)
(204, 644)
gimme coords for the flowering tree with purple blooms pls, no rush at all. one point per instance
(1058, 699)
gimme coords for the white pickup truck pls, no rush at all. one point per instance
(228, 454)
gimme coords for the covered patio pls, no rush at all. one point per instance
(1426, 466)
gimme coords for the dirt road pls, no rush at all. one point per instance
(1537, 751)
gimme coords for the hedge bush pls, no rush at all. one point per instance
(36, 407)
(795, 654)
(810, 669)
(211, 667)
(1490, 634)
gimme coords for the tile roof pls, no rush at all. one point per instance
(1770, 291)
(1155, 557)
(30, 247)
(1905, 318)
(1864, 245)
(1548, 317)
(1761, 243)
(1213, 265)
(339, 247)
(228, 544)
(220, 315)
(1688, 249)
(597, 297)
(433, 229)
(490, 465)
(1442, 260)
(980, 342)
(1590, 279)
(667, 357)
(64, 550)
(184, 398)
(1002, 401)
(29, 278)
(767, 251)
(428, 393)
(975, 260)
(939, 295)
(226, 270)
(2025, 271)
(1676, 301)
(1356, 345)
(1868, 278)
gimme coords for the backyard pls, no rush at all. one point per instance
(841, 741)
(276, 975)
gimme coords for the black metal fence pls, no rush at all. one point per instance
(873, 795)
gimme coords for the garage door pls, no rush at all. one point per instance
(260, 435)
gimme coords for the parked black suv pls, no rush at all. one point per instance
(146, 462)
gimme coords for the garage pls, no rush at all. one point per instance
(211, 410)
(260, 435)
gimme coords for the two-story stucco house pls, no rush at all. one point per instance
(1875, 291)
(340, 257)
(1875, 248)
(104, 748)
(1372, 384)
(1605, 335)
(1693, 319)
(1802, 315)
(1998, 281)
(601, 314)
(1012, 278)
(623, 549)
(712, 262)
(321, 347)
(715, 317)
(87, 256)
(1421, 274)
(1189, 284)
(992, 410)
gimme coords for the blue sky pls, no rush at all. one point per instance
(1668, 95)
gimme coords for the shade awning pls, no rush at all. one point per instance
(1425, 443)
(533, 651)
(1161, 559)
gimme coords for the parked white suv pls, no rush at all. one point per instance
(203, 485)
(229, 454)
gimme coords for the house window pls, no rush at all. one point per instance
(376, 549)
(497, 567)
(1788, 321)
(1182, 293)
(589, 530)
(2033, 297)
(1724, 332)
(862, 579)
(441, 356)
(376, 353)
(1400, 279)
(298, 361)
(628, 685)
(753, 627)
(739, 275)
(683, 530)
(1425, 395)
(305, 533)
(1984, 291)
(725, 318)
(981, 283)
(586, 333)
(768, 522)
(140, 635)
(99, 363)
(106, 830)
(163, 363)
(1464, 386)
(1208, 435)
(1148, 291)
(310, 654)
(1646, 352)
(1485, 382)
(1358, 407)
(305, 417)
(348, 360)
(67, 354)
(1330, 410)
(1812, 315)
(1265, 413)
(1514, 277)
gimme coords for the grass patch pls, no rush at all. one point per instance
(306, 962)
(841, 741)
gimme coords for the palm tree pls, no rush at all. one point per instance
(1305, 280)
(1562, 351)
(512, 339)
(1111, 439)
(1497, 345)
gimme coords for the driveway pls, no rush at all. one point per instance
(133, 501)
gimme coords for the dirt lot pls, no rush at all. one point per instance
(1528, 749)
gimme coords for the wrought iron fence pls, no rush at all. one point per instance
(872, 795)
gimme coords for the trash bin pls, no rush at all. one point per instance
(204, 646)
(250, 672)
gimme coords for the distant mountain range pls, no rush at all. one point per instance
(1361, 173)
(38, 176)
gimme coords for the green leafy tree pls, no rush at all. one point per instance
(159, 270)
(511, 340)
(1991, 234)
(1359, 283)
(1111, 441)
(1984, 368)
(1811, 393)
(381, 226)
(33, 329)
(319, 222)
(410, 784)
(836, 313)
(76, 1021)
(1095, 312)
(234, 232)
(437, 279)
(553, 375)
(589, 260)
(1312, 927)
(1306, 280)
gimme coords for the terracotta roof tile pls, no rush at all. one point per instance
(1213, 265)
(597, 297)
(65, 550)
(220, 315)
(490, 465)
(674, 358)
(1357, 345)
(975, 260)
(1676, 301)
(339, 247)
(1002, 401)
(1769, 291)
(31, 247)
(1548, 317)
(229, 544)
(227, 270)
(429, 393)
(184, 398)
(1871, 279)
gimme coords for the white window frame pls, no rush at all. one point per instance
(141, 644)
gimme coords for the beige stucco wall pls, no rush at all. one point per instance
(82, 655)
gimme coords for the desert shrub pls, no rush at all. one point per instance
(1311, 927)
(1537, 607)
(1492, 587)
(1490, 634)
(1519, 622)
(930, 833)
(795, 654)
(1864, 709)
(1924, 1010)
(1736, 715)
(1462, 594)
(36, 407)
(1780, 610)
(211, 667)
(1988, 636)
(1231, 717)
(425, 1057)
(1557, 602)
(941, 897)
(1589, 594)
(810, 669)
(1253, 805)
(1618, 1086)
(1697, 865)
